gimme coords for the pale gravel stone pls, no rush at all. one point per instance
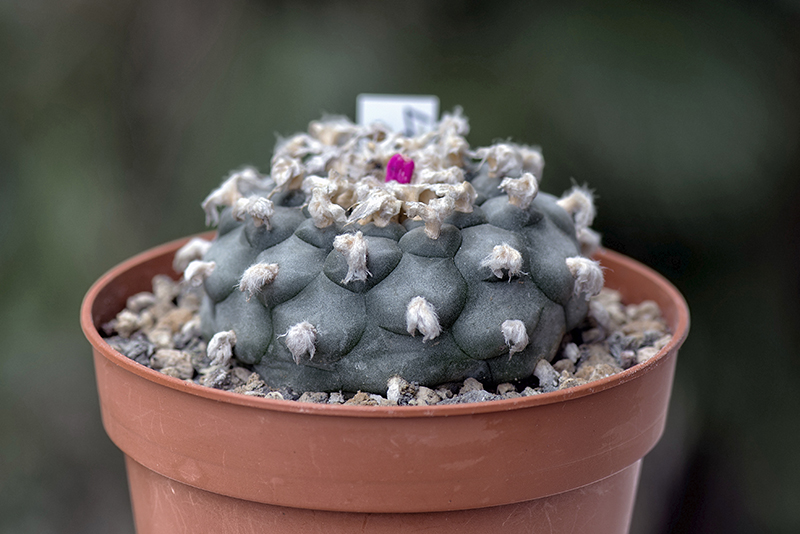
(174, 319)
(425, 396)
(159, 309)
(564, 365)
(572, 352)
(177, 372)
(213, 377)
(172, 358)
(645, 353)
(165, 288)
(643, 325)
(470, 384)
(138, 302)
(253, 386)
(548, 377)
(317, 397)
(361, 399)
(647, 310)
(592, 335)
(506, 387)
(596, 372)
(147, 319)
(661, 342)
(382, 401)
(190, 300)
(137, 347)
(627, 358)
(401, 391)
(239, 376)
(126, 323)
(444, 393)
(336, 398)
(161, 338)
(597, 355)
(251, 393)
(474, 395)
(571, 382)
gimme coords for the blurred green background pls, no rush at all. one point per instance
(117, 118)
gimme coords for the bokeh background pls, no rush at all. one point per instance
(117, 118)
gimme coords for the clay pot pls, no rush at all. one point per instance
(204, 460)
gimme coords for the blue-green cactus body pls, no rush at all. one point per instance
(362, 337)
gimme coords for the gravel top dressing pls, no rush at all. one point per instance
(161, 330)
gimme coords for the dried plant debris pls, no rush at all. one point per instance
(159, 329)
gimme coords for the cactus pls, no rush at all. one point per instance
(366, 255)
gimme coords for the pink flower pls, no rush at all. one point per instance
(399, 169)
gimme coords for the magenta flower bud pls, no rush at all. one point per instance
(399, 169)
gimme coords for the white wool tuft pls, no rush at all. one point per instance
(257, 207)
(354, 249)
(462, 194)
(532, 160)
(521, 191)
(502, 159)
(333, 129)
(378, 206)
(421, 316)
(195, 249)
(228, 193)
(588, 276)
(300, 340)
(454, 123)
(285, 170)
(393, 387)
(433, 213)
(515, 335)
(220, 348)
(504, 257)
(579, 203)
(257, 276)
(323, 211)
(297, 146)
(197, 271)
(451, 175)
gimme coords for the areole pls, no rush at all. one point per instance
(201, 459)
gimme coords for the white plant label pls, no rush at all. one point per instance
(410, 114)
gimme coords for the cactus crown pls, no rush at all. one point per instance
(360, 238)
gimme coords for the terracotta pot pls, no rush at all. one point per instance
(204, 460)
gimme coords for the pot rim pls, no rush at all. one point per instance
(91, 332)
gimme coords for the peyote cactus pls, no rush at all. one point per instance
(367, 254)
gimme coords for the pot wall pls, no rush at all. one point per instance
(602, 507)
